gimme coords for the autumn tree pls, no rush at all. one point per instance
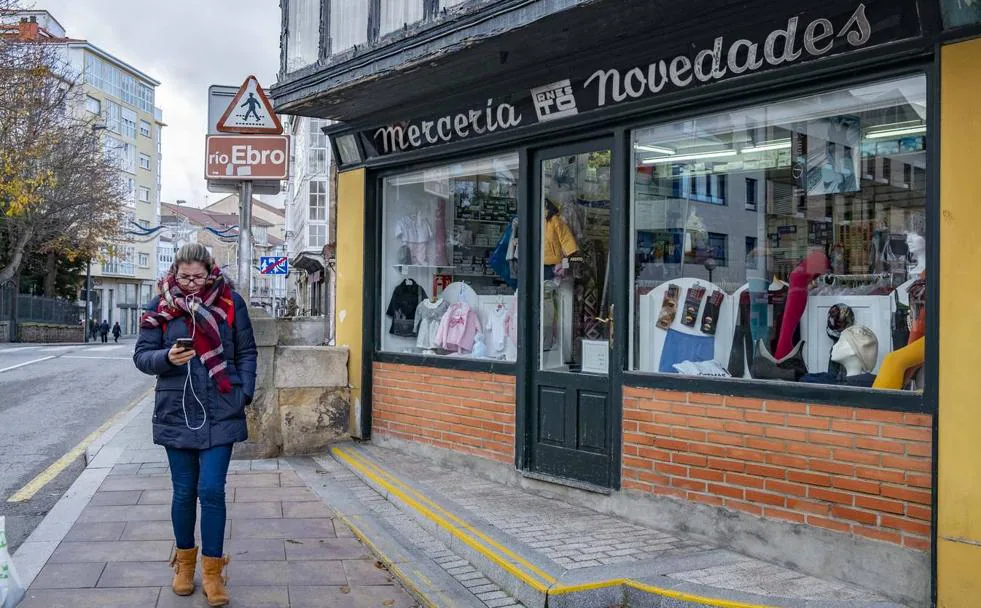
(60, 192)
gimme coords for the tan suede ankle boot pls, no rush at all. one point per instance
(213, 580)
(183, 563)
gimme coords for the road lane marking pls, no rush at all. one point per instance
(44, 477)
(7, 369)
(94, 357)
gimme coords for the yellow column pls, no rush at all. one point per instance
(350, 280)
(959, 498)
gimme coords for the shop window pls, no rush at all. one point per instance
(831, 289)
(449, 260)
(958, 13)
(348, 24)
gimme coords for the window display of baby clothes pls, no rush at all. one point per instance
(458, 328)
(402, 308)
(428, 316)
(415, 232)
(496, 331)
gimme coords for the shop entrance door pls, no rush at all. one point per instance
(571, 425)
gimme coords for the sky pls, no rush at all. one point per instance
(187, 45)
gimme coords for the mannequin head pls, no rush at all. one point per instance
(857, 350)
(917, 247)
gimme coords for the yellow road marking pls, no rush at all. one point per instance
(443, 523)
(461, 523)
(368, 468)
(44, 477)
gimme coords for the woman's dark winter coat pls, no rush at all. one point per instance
(225, 412)
(116, 330)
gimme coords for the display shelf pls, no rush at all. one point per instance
(476, 221)
(428, 266)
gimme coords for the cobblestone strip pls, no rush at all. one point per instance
(485, 590)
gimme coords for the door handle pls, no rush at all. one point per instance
(609, 321)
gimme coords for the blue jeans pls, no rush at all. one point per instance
(199, 475)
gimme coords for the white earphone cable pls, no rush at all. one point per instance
(192, 302)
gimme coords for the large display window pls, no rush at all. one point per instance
(450, 260)
(785, 241)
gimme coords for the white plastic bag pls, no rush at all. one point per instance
(11, 590)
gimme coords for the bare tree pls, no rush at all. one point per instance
(60, 191)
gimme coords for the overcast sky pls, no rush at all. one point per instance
(187, 45)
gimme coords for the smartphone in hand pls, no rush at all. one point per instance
(185, 344)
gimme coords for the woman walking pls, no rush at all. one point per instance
(116, 330)
(196, 337)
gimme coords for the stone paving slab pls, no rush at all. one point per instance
(285, 545)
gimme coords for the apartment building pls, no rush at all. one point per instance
(121, 98)
(310, 200)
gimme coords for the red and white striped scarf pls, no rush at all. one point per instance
(202, 312)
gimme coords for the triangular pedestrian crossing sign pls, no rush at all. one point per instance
(250, 112)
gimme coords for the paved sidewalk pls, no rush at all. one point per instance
(108, 543)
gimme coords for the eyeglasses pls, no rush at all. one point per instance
(193, 278)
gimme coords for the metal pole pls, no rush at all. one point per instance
(245, 240)
(88, 298)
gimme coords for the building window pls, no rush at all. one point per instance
(145, 129)
(833, 227)
(112, 80)
(144, 260)
(317, 235)
(93, 105)
(128, 123)
(144, 194)
(144, 162)
(130, 191)
(395, 14)
(119, 261)
(751, 193)
(318, 200)
(440, 229)
(348, 24)
(958, 13)
(303, 33)
(317, 149)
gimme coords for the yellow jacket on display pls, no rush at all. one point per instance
(559, 241)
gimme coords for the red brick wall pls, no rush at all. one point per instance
(847, 469)
(468, 412)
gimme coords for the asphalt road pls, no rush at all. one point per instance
(51, 399)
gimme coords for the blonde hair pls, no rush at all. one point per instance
(191, 253)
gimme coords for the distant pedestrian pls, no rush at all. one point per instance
(104, 331)
(196, 302)
(116, 330)
(93, 329)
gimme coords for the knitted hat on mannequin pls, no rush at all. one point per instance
(864, 343)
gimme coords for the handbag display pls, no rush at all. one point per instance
(766, 367)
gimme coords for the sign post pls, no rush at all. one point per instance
(253, 151)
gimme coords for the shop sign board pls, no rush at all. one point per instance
(818, 31)
(247, 157)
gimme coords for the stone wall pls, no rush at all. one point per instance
(44, 333)
(302, 399)
(4, 331)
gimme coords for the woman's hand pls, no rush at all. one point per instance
(179, 356)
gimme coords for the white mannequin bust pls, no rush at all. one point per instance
(843, 354)
(856, 350)
(917, 247)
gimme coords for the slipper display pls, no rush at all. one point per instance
(669, 307)
(693, 302)
(710, 316)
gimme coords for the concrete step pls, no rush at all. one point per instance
(546, 552)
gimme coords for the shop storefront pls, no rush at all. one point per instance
(696, 273)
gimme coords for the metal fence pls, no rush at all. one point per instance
(37, 309)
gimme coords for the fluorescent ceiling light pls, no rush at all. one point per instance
(656, 149)
(915, 130)
(684, 157)
(777, 144)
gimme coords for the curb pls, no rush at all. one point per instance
(35, 552)
(505, 563)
